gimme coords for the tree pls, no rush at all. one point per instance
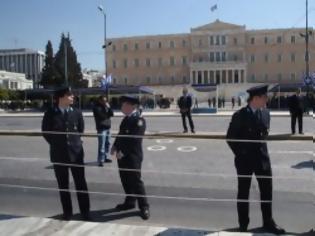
(75, 77)
(49, 75)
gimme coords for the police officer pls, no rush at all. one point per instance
(184, 103)
(128, 151)
(67, 149)
(296, 107)
(252, 123)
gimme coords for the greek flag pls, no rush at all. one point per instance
(214, 7)
(106, 81)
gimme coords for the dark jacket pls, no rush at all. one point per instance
(131, 147)
(184, 103)
(102, 115)
(64, 148)
(296, 104)
(246, 126)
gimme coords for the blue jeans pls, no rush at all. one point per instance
(103, 144)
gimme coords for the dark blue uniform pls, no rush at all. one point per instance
(184, 104)
(67, 149)
(251, 158)
(130, 149)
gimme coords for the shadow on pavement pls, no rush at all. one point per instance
(9, 217)
(304, 164)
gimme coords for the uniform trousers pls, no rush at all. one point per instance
(132, 183)
(248, 167)
(62, 176)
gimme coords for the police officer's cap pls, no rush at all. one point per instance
(60, 92)
(129, 99)
(258, 90)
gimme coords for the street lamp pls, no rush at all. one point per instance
(105, 45)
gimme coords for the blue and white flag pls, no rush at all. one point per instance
(106, 81)
(214, 7)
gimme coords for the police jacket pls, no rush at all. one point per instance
(246, 125)
(64, 148)
(131, 147)
(296, 104)
(102, 115)
(185, 103)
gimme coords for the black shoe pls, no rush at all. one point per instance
(185, 131)
(145, 213)
(100, 164)
(293, 133)
(242, 229)
(66, 217)
(272, 227)
(108, 161)
(193, 131)
(124, 207)
(301, 133)
(86, 217)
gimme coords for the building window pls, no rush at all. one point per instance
(235, 41)
(252, 40)
(217, 40)
(147, 45)
(172, 44)
(235, 58)
(184, 60)
(136, 62)
(125, 47)
(200, 43)
(114, 64)
(266, 77)
(148, 62)
(184, 79)
(184, 43)
(266, 58)
(253, 78)
(266, 40)
(223, 56)
(211, 40)
(211, 56)
(148, 80)
(279, 39)
(160, 62)
(279, 57)
(292, 76)
(223, 39)
(173, 80)
(172, 61)
(160, 80)
(252, 58)
(114, 81)
(292, 39)
(293, 57)
(136, 46)
(279, 77)
(160, 44)
(125, 63)
(200, 59)
(217, 56)
(126, 81)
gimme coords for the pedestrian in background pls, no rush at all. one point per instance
(102, 116)
(128, 150)
(252, 123)
(184, 103)
(66, 151)
(296, 107)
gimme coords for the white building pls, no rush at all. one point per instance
(93, 77)
(14, 81)
(27, 61)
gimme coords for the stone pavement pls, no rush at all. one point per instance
(33, 226)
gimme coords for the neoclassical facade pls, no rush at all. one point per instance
(215, 53)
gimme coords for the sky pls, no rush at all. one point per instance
(31, 23)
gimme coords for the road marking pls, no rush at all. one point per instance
(187, 149)
(164, 140)
(156, 148)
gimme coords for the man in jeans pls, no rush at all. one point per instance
(102, 114)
